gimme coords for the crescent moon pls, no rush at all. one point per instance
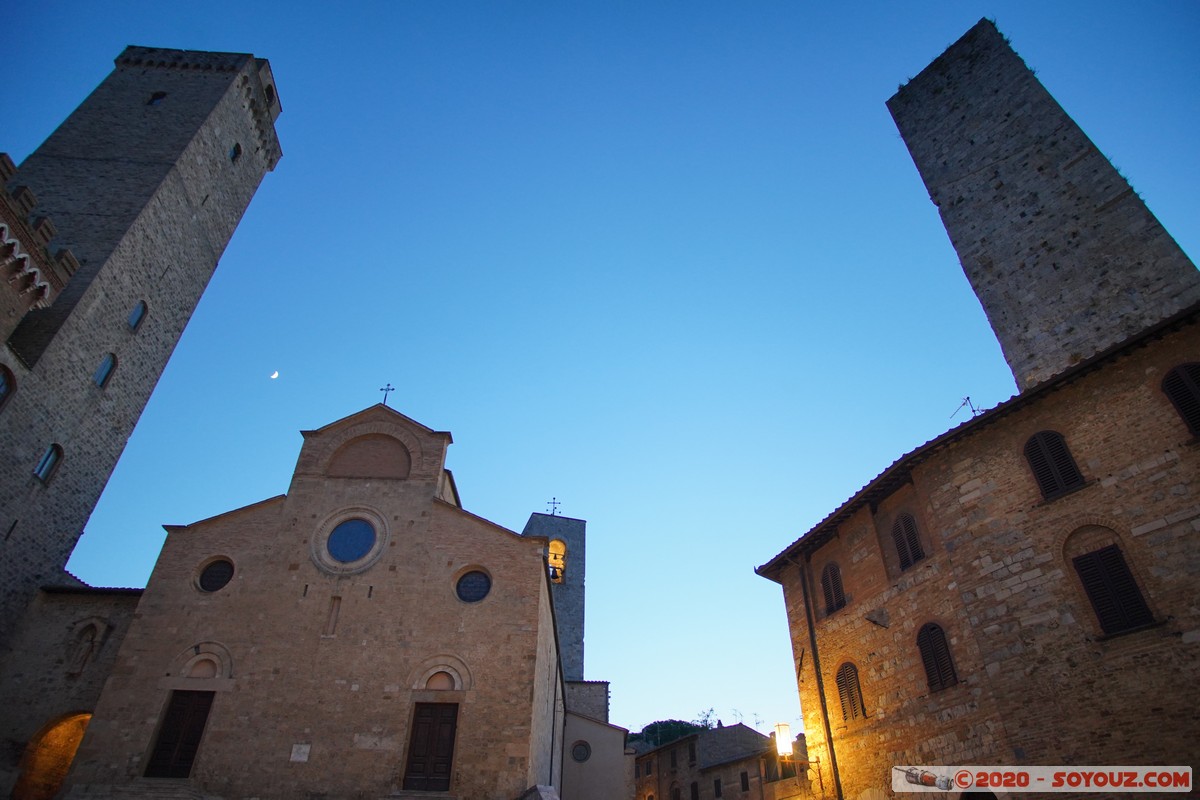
(274, 374)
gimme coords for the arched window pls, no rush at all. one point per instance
(1111, 588)
(935, 654)
(104, 372)
(850, 693)
(47, 466)
(136, 315)
(1052, 465)
(831, 584)
(908, 543)
(1182, 385)
(557, 560)
(8, 384)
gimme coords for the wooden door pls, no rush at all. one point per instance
(180, 735)
(431, 747)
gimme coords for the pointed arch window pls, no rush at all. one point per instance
(136, 315)
(1112, 590)
(1053, 467)
(907, 541)
(831, 585)
(850, 693)
(1182, 386)
(935, 654)
(49, 463)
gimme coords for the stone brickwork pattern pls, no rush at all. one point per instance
(1064, 256)
(324, 664)
(146, 194)
(1038, 681)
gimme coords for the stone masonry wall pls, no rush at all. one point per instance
(1038, 681)
(127, 183)
(326, 667)
(1062, 253)
(56, 667)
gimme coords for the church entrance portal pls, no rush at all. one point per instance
(48, 758)
(431, 747)
(179, 737)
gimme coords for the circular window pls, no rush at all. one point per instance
(581, 751)
(216, 575)
(474, 586)
(351, 540)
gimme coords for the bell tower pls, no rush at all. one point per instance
(566, 564)
(145, 183)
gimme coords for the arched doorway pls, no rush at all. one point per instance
(48, 758)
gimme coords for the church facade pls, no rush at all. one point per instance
(360, 636)
(1021, 589)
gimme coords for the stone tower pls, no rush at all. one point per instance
(567, 564)
(145, 183)
(1062, 253)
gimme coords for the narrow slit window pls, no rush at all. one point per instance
(48, 464)
(136, 315)
(156, 99)
(235, 152)
(8, 384)
(104, 372)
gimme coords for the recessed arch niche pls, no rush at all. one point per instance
(373, 455)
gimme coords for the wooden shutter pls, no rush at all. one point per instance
(1052, 465)
(831, 584)
(849, 692)
(431, 747)
(1109, 584)
(180, 735)
(935, 655)
(908, 543)
(1182, 385)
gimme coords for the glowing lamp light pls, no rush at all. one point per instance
(783, 739)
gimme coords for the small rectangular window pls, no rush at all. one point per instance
(45, 468)
(692, 752)
(695, 791)
(674, 760)
(717, 788)
(745, 781)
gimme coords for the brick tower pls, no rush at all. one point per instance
(1062, 253)
(145, 183)
(567, 562)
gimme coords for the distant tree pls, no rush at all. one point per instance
(706, 719)
(665, 730)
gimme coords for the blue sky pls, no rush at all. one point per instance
(667, 262)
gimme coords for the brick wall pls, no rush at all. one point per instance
(1038, 682)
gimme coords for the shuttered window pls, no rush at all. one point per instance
(908, 543)
(935, 654)
(850, 693)
(1115, 595)
(831, 584)
(1052, 465)
(1182, 385)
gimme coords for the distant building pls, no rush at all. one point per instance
(722, 762)
(1021, 589)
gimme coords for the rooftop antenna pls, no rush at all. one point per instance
(386, 391)
(554, 504)
(975, 412)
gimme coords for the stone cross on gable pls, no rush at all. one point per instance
(554, 504)
(386, 391)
